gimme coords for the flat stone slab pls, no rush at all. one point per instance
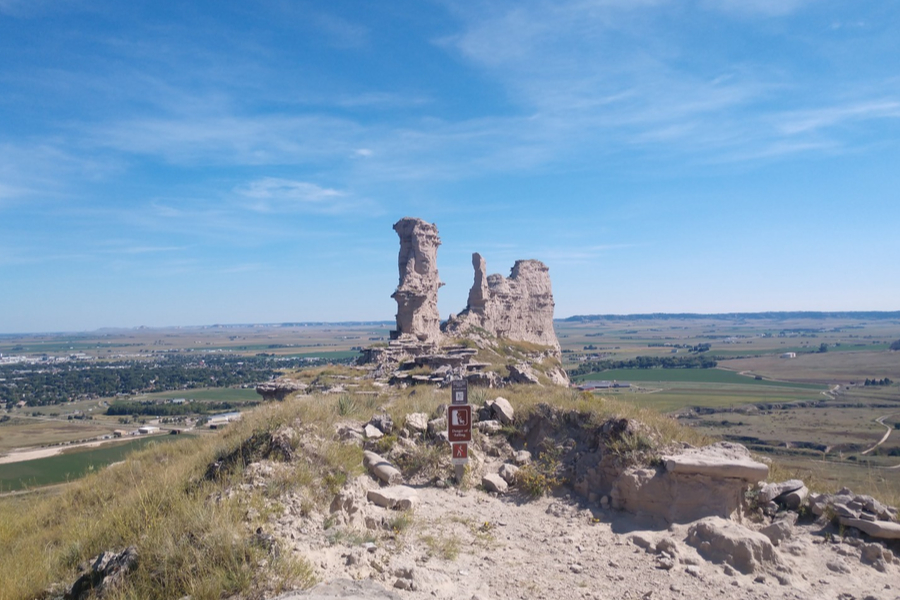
(884, 530)
(720, 460)
(399, 497)
(770, 491)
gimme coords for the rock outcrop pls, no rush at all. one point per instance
(279, 389)
(518, 307)
(416, 295)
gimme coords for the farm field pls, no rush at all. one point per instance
(328, 341)
(70, 465)
(35, 427)
(821, 439)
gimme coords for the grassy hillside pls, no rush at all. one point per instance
(191, 507)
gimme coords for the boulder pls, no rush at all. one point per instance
(723, 541)
(107, 572)
(494, 483)
(399, 497)
(503, 410)
(701, 482)
(381, 468)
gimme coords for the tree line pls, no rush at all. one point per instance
(645, 362)
(41, 385)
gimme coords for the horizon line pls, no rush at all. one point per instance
(872, 314)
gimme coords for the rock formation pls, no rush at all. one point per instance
(416, 295)
(518, 307)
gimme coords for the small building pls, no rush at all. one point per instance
(147, 429)
(119, 433)
(788, 355)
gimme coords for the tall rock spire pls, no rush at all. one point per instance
(416, 295)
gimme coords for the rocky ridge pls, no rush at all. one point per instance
(403, 530)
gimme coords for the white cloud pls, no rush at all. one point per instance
(277, 195)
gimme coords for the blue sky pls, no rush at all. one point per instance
(169, 163)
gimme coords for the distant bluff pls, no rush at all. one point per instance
(504, 335)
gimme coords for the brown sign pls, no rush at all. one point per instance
(459, 423)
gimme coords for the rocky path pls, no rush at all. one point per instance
(469, 544)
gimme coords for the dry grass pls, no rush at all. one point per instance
(194, 538)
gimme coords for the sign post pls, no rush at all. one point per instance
(459, 426)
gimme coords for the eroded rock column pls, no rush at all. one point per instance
(416, 295)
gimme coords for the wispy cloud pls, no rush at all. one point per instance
(272, 194)
(768, 8)
(811, 120)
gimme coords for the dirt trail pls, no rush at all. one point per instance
(884, 438)
(472, 545)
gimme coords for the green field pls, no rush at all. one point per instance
(204, 395)
(66, 467)
(691, 375)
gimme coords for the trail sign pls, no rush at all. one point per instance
(459, 392)
(460, 454)
(459, 423)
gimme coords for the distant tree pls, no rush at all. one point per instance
(895, 345)
(823, 347)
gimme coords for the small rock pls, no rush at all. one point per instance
(383, 422)
(489, 427)
(576, 568)
(665, 562)
(494, 483)
(509, 473)
(417, 422)
(522, 457)
(837, 566)
(771, 491)
(404, 584)
(372, 432)
(692, 570)
(777, 532)
(641, 540)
